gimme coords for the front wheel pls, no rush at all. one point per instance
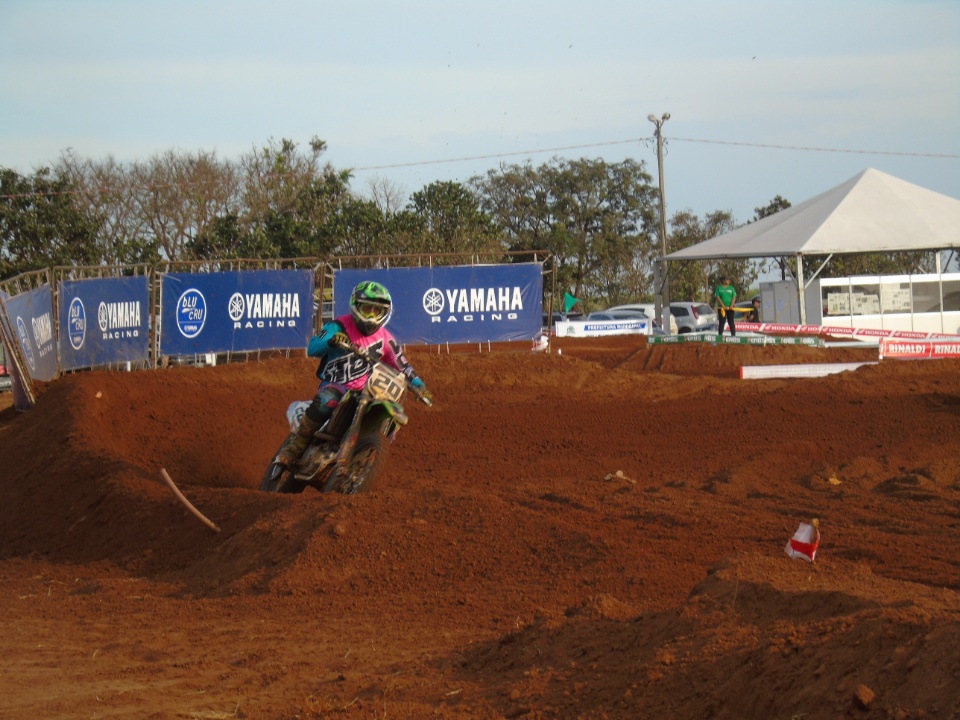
(279, 479)
(364, 467)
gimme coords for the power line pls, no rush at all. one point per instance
(644, 141)
(818, 149)
(504, 154)
(560, 148)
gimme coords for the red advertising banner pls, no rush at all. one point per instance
(892, 348)
(837, 331)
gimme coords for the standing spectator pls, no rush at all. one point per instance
(726, 296)
(754, 315)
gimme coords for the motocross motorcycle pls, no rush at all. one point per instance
(349, 451)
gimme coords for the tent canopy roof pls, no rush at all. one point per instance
(871, 212)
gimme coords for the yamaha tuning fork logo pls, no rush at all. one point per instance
(433, 301)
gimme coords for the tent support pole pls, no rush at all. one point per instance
(943, 327)
(819, 270)
(801, 290)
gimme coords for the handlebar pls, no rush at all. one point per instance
(370, 358)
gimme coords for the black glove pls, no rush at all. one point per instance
(339, 340)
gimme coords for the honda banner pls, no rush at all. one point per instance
(104, 321)
(470, 303)
(235, 311)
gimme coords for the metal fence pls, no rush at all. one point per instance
(66, 320)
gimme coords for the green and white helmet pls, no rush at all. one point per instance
(371, 306)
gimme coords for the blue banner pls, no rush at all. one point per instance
(104, 321)
(474, 303)
(235, 311)
(31, 315)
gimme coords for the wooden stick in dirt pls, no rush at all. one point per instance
(190, 507)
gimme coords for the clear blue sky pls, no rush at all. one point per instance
(391, 83)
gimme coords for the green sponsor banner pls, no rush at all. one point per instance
(712, 339)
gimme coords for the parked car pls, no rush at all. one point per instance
(649, 309)
(646, 308)
(618, 315)
(745, 304)
(694, 317)
(558, 316)
(5, 381)
(655, 328)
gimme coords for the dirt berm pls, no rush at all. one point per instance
(597, 533)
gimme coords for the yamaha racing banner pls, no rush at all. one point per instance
(473, 303)
(31, 315)
(235, 311)
(103, 321)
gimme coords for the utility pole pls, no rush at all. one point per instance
(662, 303)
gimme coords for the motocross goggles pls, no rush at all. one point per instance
(374, 312)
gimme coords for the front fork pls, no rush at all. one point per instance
(394, 417)
(349, 442)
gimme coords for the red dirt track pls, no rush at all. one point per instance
(593, 534)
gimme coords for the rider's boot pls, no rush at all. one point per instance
(297, 442)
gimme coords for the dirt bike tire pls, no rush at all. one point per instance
(279, 479)
(368, 460)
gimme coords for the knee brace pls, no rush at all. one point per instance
(323, 405)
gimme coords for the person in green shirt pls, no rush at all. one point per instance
(726, 296)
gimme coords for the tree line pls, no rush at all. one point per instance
(598, 219)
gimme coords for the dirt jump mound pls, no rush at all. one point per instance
(594, 532)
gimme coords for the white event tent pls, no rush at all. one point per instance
(871, 212)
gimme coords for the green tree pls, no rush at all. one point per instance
(107, 195)
(596, 218)
(178, 195)
(307, 228)
(356, 227)
(453, 219)
(786, 265)
(284, 197)
(771, 208)
(405, 232)
(894, 263)
(696, 279)
(41, 225)
(305, 224)
(226, 237)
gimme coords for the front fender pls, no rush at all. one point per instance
(383, 410)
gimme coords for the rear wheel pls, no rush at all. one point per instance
(364, 467)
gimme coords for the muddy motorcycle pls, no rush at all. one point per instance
(348, 452)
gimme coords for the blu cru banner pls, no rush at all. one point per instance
(104, 321)
(235, 311)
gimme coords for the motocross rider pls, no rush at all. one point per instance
(340, 370)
